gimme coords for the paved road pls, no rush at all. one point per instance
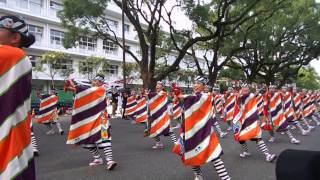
(137, 161)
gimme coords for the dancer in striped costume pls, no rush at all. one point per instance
(159, 120)
(277, 115)
(298, 107)
(90, 126)
(261, 104)
(308, 107)
(316, 101)
(287, 105)
(141, 111)
(229, 106)
(131, 105)
(48, 112)
(289, 109)
(198, 143)
(218, 102)
(246, 125)
(216, 124)
(15, 93)
(314, 114)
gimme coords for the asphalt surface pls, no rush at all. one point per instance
(137, 160)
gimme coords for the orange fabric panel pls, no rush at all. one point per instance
(17, 140)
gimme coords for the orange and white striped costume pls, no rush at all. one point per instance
(307, 105)
(260, 104)
(89, 123)
(199, 143)
(229, 106)
(159, 120)
(177, 110)
(141, 110)
(276, 113)
(245, 123)
(218, 103)
(313, 99)
(16, 152)
(48, 109)
(288, 106)
(131, 106)
(297, 106)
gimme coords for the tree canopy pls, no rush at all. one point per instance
(308, 78)
(268, 40)
(53, 64)
(280, 46)
(92, 66)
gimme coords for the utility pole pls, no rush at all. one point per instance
(123, 49)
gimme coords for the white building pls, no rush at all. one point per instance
(41, 16)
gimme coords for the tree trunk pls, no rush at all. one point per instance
(147, 78)
(152, 84)
(251, 78)
(212, 77)
(52, 84)
(269, 79)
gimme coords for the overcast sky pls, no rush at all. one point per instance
(316, 65)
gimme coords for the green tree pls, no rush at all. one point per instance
(53, 64)
(278, 47)
(83, 17)
(230, 21)
(131, 69)
(92, 66)
(232, 74)
(308, 78)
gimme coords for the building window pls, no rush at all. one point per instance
(88, 43)
(56, 37)
(37, 31)
(34, 60)
(23, 4)
(85, 67)
(110, 47)
(126, 28)
(35, 6)
(113, 25)
(112, 69)
(66, 64)
(55, 8)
